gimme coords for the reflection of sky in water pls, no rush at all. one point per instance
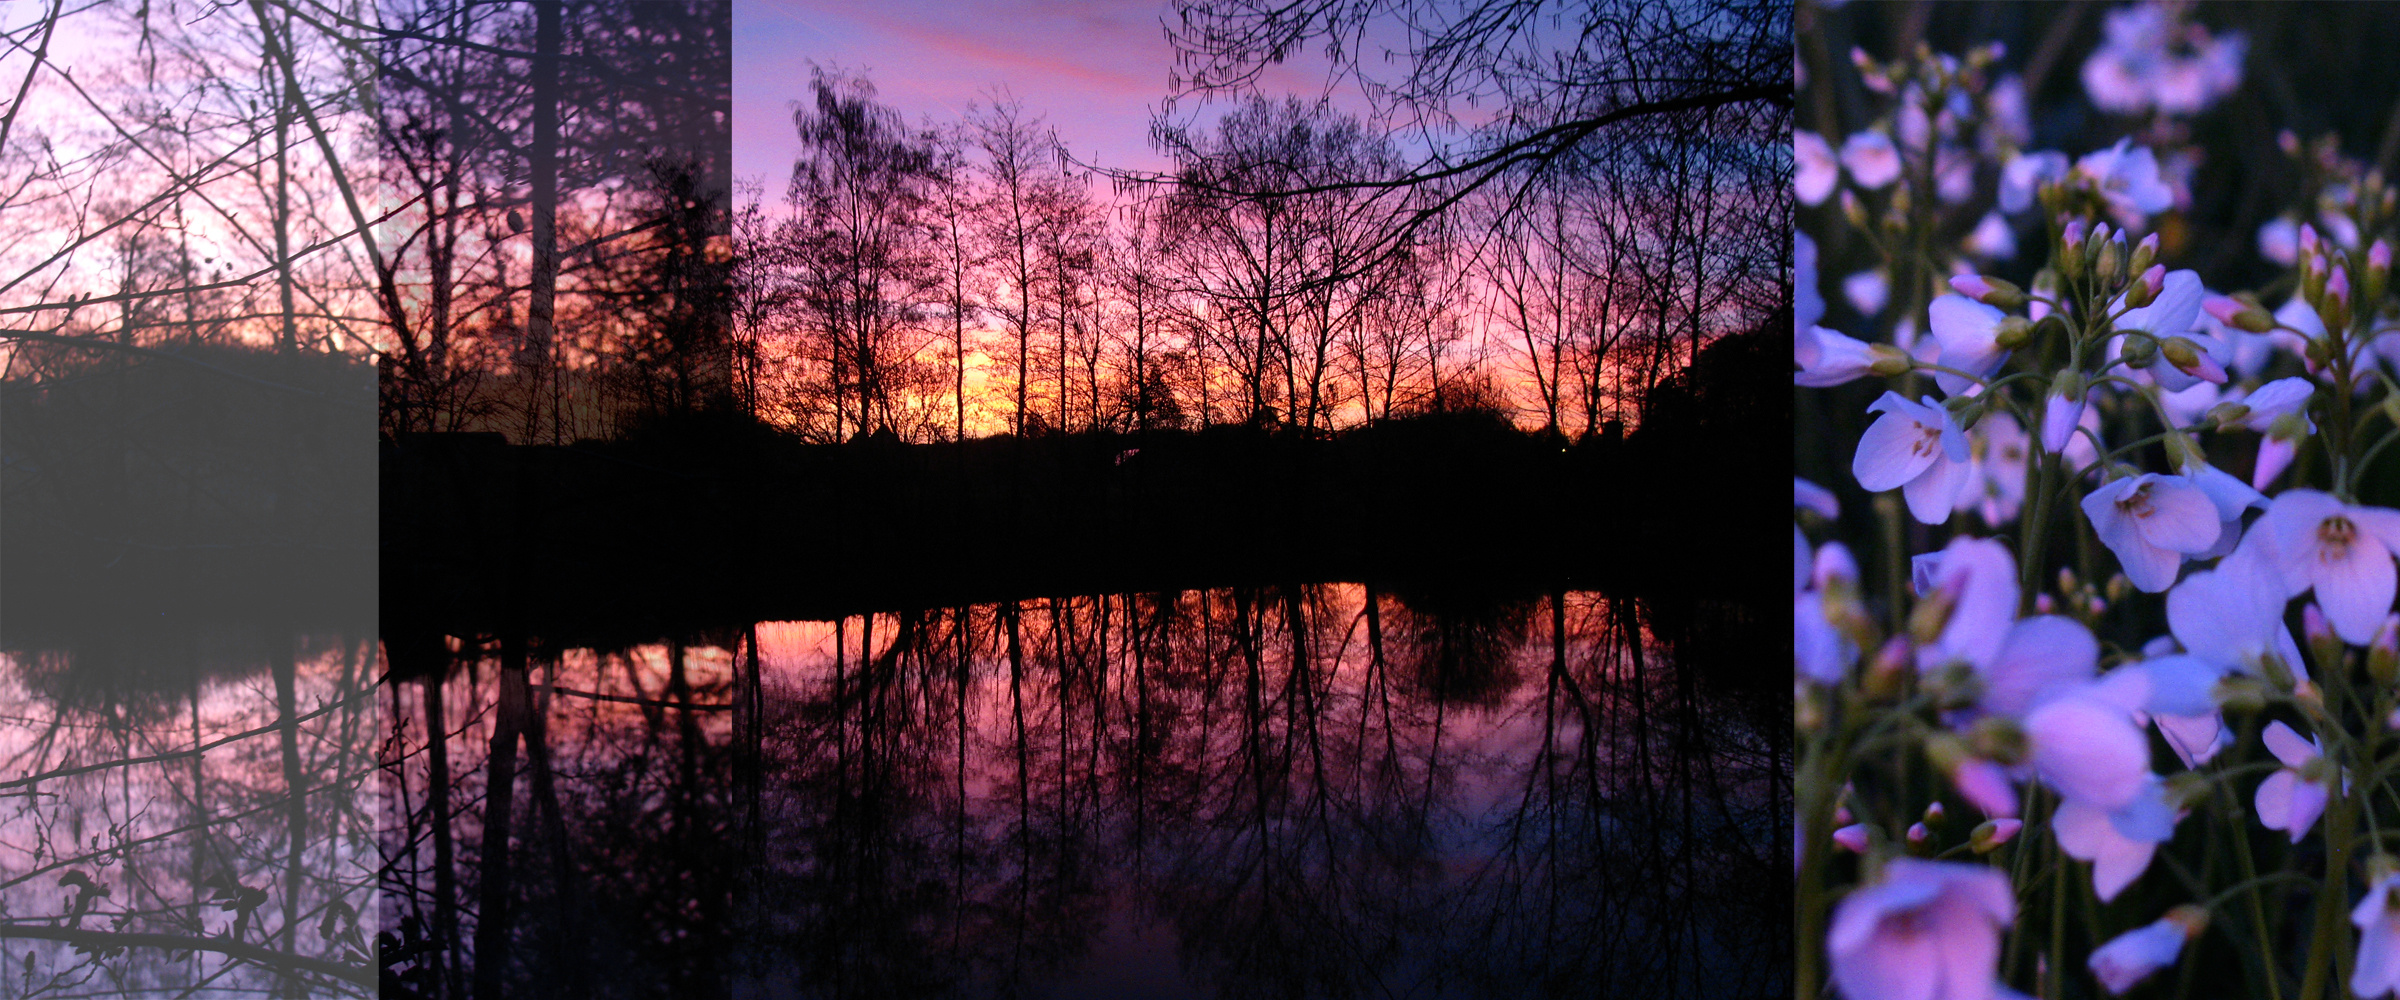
(1350, 834)
(161, 833)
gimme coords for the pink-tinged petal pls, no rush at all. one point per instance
(1834, 562)
(1817, 170)
(1810, 496)
(2288, 745)
(1853, 838)
(2149, 567)
(2274, 399)
(2377, 918)
(2086, 834)
(2290, 530)
(2181, 685)
(2041, 655)
(1871, 159)
(1934, 494)
(2274, 456)
(2196, 739)
(1830, 358)
(1966, 948)
(1982, 574)
(2379, 523)
(2089, 750)
(1892, 453)
(2182, 517)
(2126, 689)
(1985, 786)
(1969, 334)
(1819, 651)
(2231, 496)
(2355, 587)
(1898, 963)
(2060, 416)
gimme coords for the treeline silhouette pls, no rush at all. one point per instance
(716, 513)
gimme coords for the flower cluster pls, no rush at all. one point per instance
(2117, 578)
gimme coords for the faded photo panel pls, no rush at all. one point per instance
(189, 329)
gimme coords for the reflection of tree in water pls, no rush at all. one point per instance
(182, 813)
(1317, 791)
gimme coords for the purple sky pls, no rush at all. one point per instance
(1094, 69)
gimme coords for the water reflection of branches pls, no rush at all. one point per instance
(181, 815)
(1315, 789)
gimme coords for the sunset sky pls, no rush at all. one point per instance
(1095, 69)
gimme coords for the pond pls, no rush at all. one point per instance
(187, 809)
(1311, 790)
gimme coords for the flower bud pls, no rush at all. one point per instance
(2276, 670)
(1853, 212)
(2145, 254)
(2288, 427)
(2309, 245)
(2323, 646)
(1888, 673)
(2240, 311)
(1932, 615)
(1917, 836)
(1989, 290)
(2070, 245)
(1992, 833)
(2140, 348)
(2068, 582)
(2146, 286)
(2014, 332)
(2228, 416)
(2108, 268)
(1855, 838)
(1933, 813)
(2319, 354)
(2376, 279)
(2243, 693)
(2383, 653)
(1999, 740)
(2188, 358)
(2333, 307)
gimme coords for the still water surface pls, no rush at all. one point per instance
(186, 810)
(1309, 791)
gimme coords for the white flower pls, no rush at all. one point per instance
(1969, 333)
(2232, 616)
(2343, 551)
(1867, 290)
(1930, 930)
(1993, 238)
(2151, 522)
(2377, 918)
(2132, 956)
(2118, 842)
(1830, 357)
(2024, 175)
(2288, 801)
(1916, 448)
(2126, 176)
(2267, 402)
(1816, 171)
(1871, 159)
